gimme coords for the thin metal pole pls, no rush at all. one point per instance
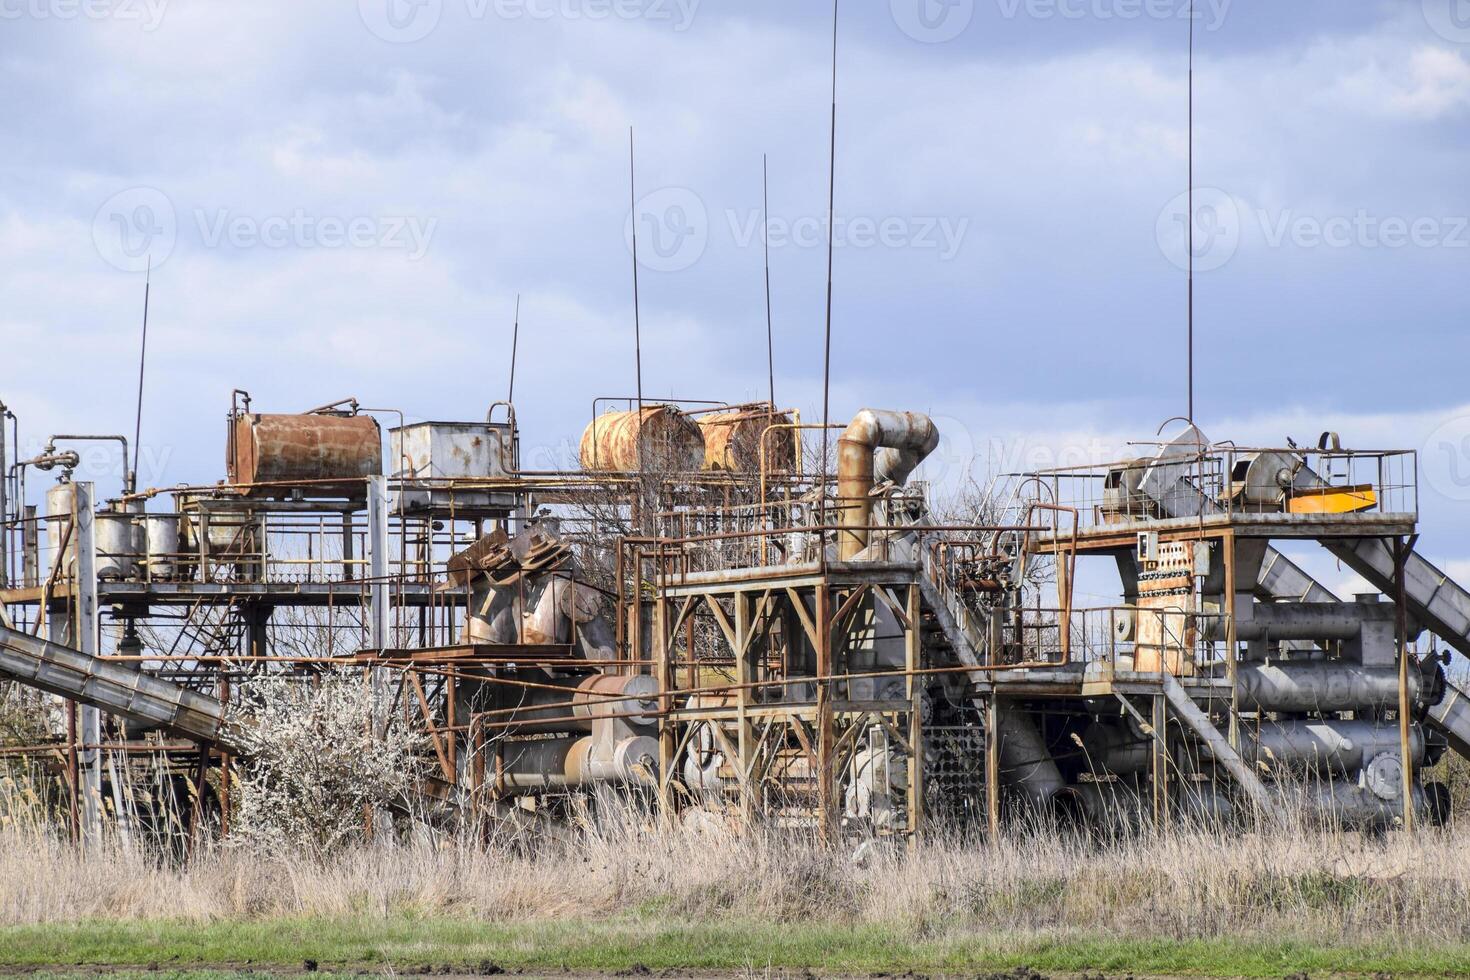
(132, 477)
(646, 506)
(831, 209)
(515, 339)
(766, 241)
(637, 322)
(1191, 214)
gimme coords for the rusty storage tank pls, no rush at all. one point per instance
(304, 449)
(660, 437)
(732, 441)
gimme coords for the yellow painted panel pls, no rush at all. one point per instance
(1333, 500)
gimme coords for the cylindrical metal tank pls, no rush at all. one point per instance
(120, 539)
(732, 441)
(161, 533)
(116, 535)
(303, 448)
(660, 438)
(58, 518)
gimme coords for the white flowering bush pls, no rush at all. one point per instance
(315, 764)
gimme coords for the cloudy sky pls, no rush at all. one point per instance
(344, 197)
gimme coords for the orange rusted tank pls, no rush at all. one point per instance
(661, 439)
(305, 449)
(732, 441)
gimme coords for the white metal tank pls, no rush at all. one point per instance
(161, 534)
(119, 538)
(59, 504)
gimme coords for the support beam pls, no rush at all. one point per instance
(87, 631)
(744, 675)
(1159, 759)
(992, 766)
(1219, 747)
(1401, 551)
(377, 619)
(664, 673)
(1232, 641)
(914, 662)
(826, 735)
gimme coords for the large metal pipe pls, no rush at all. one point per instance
(1323, 686)
(561, 763)
(1310, 620)
(1117, 747)
(585, 699)
(900, 441)
(1026, 765)
(1326, 746)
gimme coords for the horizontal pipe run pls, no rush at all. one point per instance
(1320, 686)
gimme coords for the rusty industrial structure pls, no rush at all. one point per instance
(704, 617)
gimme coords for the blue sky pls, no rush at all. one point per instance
(344, 198)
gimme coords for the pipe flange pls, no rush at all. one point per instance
(1384, 776)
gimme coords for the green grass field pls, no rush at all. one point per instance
(458, 946)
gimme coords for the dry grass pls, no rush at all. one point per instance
(1322, 887)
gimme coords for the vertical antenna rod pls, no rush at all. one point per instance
(766, 240)
(1190, 414)
(831, 208)
(515, 339)
(637, 323)
(132, 477)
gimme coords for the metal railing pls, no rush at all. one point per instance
(1226, 481)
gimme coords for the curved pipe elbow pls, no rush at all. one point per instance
(901, 441)
(904, 438)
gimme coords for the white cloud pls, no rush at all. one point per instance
(1419, 82)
